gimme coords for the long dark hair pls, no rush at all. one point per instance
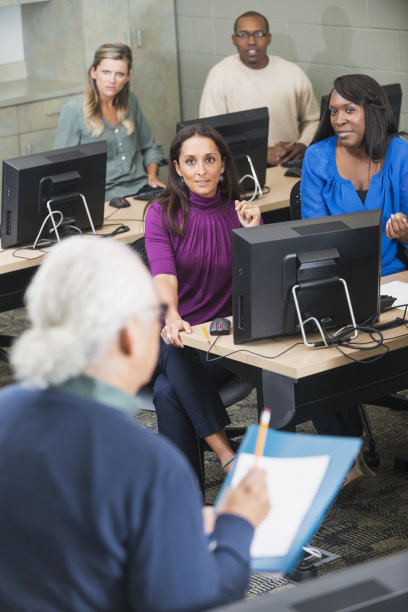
(175, 197)
(380, 124)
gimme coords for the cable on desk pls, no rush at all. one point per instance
(364, 361)
(113, 212)
(120, 229)
(341, 340)
(246, 351)
(47, 244)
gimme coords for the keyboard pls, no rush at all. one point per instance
(148, 193)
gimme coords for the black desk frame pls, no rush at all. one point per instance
(295, 401)
(12, 288)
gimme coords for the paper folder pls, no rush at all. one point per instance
(304, 474)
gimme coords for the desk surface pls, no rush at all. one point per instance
(299, 361)
(19, 258)
(280, 187)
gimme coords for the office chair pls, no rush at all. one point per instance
(5, 342)
(233, 391)
(371, 456)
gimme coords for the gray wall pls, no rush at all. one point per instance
(325, 38)
(61, 36)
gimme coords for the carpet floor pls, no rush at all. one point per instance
(367, 523)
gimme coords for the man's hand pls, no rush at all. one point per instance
(283, 152)
(249, 499)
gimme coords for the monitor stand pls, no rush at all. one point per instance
(323, 282)
(52, 213)
(254, 177)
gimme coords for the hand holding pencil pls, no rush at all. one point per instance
(262, 433)
(250, 499)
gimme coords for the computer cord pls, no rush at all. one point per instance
(38, 249)
(339, 340)
(45, 243)
(120, 229)
(49, 216)
(243, 350)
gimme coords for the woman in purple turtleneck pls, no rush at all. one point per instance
(188, 242)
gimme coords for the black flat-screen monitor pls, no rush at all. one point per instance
(393, 93)
(246, 133)
(269, 260)
(61, 175)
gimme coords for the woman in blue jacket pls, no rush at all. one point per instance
(358, 162)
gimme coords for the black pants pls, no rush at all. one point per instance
(186, 398)
(346, 422)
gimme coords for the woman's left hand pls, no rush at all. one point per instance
(154, 182)
(397, 226)
(249, 214)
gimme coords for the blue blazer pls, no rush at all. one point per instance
(325, 192)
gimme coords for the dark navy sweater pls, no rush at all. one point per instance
(97, 514)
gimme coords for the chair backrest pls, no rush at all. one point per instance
(294, 202)
(140, 247)
(393, 93)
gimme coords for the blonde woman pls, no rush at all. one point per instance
(110, 111)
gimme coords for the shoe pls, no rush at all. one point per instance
(358, 470)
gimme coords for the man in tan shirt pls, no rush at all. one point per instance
(253, 79)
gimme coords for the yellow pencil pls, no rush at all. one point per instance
(263, 430)
(206, 335)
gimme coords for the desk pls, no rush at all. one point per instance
(280, 187)
(303, 383)
(18, 264)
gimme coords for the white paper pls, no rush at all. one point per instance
(398, 290)
(292, 485)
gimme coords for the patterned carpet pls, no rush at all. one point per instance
(369, 522)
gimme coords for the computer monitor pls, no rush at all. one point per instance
(269, 260)
(393, 93)
(246, 133)
(60, 178)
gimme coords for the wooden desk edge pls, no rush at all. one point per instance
(300, 361)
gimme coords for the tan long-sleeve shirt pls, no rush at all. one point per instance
(281, 86)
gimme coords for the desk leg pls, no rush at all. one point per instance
(279, 396)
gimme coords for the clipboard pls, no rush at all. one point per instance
(320, 464)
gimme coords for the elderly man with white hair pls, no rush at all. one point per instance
(97, 513)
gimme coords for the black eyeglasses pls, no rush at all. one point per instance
(249, 34)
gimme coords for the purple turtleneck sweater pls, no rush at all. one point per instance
(201, 260)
